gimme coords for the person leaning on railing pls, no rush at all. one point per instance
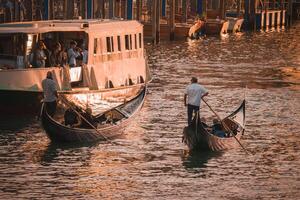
(73, 53)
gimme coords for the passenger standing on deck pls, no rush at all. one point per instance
(73, 53)
(57, 55)
(50, 94)
(39, 55)
(192, 98)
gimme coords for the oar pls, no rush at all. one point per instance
(225, 126)
(197, 121)
(80, 115)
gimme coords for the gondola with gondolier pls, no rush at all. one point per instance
(197, 136)
(105, 126)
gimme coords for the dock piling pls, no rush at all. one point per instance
(172, 19)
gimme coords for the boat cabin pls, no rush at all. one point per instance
(110, 54)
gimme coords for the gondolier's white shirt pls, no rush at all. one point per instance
(194, 93)
(49, 89)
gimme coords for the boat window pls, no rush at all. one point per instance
(64, 38)
(130, 41)
(110, 44)
(135, 41)
(127, 42)
(119, 43)
(140, 40)
(95, 45)
(12, 44)
(13, 50)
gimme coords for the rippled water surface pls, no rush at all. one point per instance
(150, 161)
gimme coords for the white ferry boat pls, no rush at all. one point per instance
(115, 65)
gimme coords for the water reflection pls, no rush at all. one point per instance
(195, 160)
(54, 151)
(150, 161)
(15, 123)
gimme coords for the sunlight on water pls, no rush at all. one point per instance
(150, 161)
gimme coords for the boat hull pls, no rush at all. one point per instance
(216, 27)
(60, 133)
(235, 24)
(20, 102)
(196, 137)
(209, 142)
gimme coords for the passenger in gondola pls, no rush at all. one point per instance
(71, 118)
(87, 119)
(217, 129)
(203, 122)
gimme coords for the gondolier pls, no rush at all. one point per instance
(50, 94)
(192, 97)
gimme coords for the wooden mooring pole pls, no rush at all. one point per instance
(138, 10)
(172, 19)
(153, 20)
(238, 8)
(158, 14)
(156, 6)
(290, 12)
(111, 6)
(222, 9)
(184, 11)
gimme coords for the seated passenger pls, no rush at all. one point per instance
(203, 122)
(71, 118)
(217, 129)
(87, 119)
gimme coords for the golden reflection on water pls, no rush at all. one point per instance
(150, 161)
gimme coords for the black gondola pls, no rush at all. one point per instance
(204, 139)
(120, 117)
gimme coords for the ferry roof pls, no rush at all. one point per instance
(92, 25)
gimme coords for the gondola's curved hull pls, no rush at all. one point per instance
(209, 142)
(58, 132)
(204, 140)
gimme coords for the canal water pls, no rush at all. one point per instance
(150, 161)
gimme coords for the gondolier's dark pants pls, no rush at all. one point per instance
(191, 109)
(51, 107)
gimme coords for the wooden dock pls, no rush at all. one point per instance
(163, 19)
